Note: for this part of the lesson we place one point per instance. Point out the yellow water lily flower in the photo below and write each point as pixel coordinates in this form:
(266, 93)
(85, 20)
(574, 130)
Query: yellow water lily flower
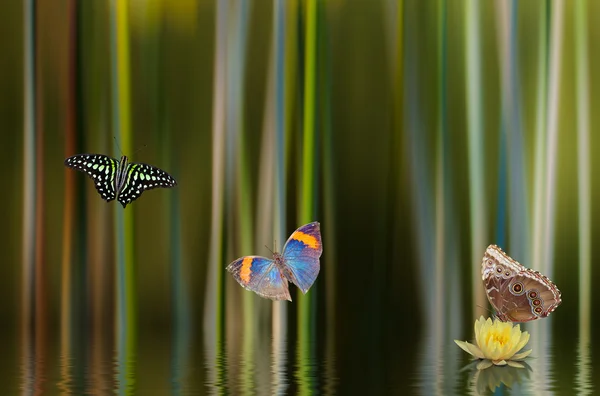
(497, 343)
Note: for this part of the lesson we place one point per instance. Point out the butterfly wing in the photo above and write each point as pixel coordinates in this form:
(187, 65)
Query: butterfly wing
(100, 168)
(141, 177)
(517, 293)
(301, 255)
(260, 275)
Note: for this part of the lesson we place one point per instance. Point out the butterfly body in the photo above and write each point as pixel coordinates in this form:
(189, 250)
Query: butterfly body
(121, 174)
(120, 179)
(517, 293)
(298, 263)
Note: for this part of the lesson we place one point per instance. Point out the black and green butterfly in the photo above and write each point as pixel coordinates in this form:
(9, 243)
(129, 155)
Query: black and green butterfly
(122, 180)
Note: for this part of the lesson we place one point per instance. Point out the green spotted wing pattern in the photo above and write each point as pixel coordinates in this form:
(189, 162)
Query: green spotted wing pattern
(101, 168)
(141, 177)
(120, 179)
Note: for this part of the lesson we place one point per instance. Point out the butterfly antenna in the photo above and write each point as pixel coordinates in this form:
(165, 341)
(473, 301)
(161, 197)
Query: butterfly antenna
(138, 150)
(487, 309)
(119, 147)
(269, 249)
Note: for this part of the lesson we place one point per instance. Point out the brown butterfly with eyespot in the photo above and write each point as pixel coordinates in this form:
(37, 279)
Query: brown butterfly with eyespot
(517, 293)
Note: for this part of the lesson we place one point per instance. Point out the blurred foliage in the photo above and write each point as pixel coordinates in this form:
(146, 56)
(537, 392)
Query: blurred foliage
(392, 161)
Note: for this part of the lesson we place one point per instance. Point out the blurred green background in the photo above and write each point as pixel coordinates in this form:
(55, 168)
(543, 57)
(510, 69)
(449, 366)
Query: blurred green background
(416, 133)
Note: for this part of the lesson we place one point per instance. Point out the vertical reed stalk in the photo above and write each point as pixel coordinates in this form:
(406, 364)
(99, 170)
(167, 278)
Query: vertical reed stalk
(307, 189)
(285, 91)
(445, 231)
(539, 225)
(242, 191)
(93, 241)
(556, 56)
(179, 279)
(179, 286)
(277, 105)
(504, 56)
(500, 229)
(584, 372)
(399, 92)
(29, 196)
(67, 300)
(97, 245)
(307, 201)
(440, 201)
(419, 165)
(266, 204)
(583, 167)
(475, 140)
(40, 279)
(29, 167)
(214, 301)
(422, 188)
(541, 333)
(276, 112)
(126, 319)
(517, 187)
(329, 197)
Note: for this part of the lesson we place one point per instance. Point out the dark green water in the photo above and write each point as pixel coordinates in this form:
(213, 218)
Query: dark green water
(354, 360)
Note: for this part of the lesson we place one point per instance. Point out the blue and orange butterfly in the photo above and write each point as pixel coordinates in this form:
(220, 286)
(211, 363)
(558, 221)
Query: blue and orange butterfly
(299, 264)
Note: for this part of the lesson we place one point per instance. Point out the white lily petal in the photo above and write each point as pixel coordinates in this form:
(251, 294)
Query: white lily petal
(475, 351)
(522, 355)
(463, 346)
(523, 341)
(469, 348)
(514, 364)
(478, 325)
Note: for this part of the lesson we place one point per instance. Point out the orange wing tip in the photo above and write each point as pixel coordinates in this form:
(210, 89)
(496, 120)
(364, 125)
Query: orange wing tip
(308, 240)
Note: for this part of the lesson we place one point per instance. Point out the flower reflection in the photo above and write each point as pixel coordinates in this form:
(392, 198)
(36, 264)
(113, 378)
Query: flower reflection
(496, 376)
(497, 343)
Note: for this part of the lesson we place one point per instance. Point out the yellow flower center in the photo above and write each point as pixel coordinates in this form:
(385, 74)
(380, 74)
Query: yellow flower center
(498, 337)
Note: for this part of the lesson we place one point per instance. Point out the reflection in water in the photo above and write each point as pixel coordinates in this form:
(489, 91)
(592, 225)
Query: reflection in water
(235, 371)
(498, 377)
(279, 350)
(180, 359)
(92, 368)
(316, 375)
(437, 366)
(308, 375)
(125, 362)
(66, 382)
(28, 366)
(215, 361)
(583, 381)
(540, 340)
(539, 376)
(305, 372)
(247, 365)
